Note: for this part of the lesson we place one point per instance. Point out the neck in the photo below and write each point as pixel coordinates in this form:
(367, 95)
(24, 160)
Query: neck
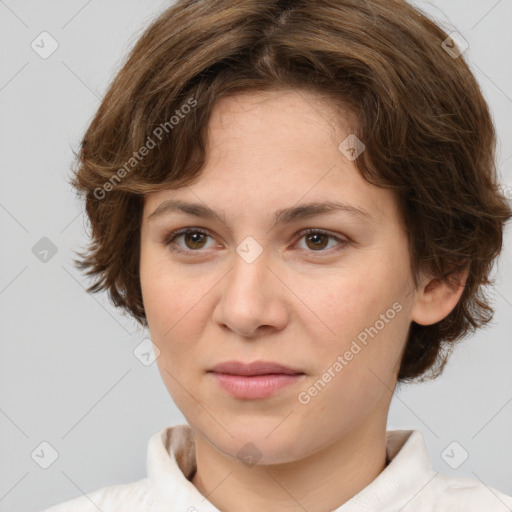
(322, 481)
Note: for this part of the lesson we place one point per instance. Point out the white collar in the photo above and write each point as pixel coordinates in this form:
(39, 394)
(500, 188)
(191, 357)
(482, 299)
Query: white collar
(171, 460)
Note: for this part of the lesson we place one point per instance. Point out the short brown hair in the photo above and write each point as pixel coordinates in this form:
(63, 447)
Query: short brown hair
(427, 129)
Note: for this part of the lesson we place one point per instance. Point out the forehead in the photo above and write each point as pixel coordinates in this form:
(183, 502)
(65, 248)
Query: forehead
(269, 150)
(282, 114)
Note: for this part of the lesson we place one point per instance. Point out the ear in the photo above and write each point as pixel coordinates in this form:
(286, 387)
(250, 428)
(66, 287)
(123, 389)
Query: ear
(435, 299)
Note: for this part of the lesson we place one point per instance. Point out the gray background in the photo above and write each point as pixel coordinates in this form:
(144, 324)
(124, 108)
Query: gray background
(68, 374)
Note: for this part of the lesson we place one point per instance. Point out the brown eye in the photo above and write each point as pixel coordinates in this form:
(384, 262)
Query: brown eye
(318, 240)
(194, 240)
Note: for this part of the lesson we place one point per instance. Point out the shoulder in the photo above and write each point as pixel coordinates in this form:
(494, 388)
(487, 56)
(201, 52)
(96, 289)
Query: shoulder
(417, 487)
(444, 493)
(131, 497)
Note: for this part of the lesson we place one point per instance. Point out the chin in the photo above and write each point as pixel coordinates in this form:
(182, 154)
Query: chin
(257, 442)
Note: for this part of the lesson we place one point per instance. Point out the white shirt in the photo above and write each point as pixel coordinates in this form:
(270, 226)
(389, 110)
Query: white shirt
(407, 484)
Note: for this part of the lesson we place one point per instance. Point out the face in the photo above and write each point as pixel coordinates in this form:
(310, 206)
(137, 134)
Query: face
(329, 294)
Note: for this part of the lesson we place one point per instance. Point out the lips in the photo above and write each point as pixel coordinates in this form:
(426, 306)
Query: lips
(253, 368)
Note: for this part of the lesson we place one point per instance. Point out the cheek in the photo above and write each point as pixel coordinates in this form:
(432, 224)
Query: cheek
(159, 284)
(171, 309)
(161, 293)
(176, 304)
(344, 302)
(363, 311)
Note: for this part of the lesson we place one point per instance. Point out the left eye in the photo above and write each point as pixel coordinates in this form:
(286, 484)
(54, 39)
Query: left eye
(194, 239)
(319, 239)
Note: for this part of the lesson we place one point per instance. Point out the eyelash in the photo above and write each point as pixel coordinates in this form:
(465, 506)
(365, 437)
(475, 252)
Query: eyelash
(169, 239)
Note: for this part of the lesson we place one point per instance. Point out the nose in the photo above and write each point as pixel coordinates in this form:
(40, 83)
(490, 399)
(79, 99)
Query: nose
(252, 299)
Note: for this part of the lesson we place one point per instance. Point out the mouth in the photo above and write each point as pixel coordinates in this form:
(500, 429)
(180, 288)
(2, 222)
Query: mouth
(254, 368)
(257, 380)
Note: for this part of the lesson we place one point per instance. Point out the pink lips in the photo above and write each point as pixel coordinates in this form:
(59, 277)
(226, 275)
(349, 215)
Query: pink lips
(256, 380)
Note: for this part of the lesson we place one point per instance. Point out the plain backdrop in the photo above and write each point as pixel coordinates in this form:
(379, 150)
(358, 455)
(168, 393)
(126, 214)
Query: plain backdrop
(71, 386)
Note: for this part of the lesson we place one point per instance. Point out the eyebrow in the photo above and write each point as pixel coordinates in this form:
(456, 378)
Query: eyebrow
(284, 216)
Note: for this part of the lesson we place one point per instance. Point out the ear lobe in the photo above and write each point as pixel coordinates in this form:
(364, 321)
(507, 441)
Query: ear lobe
(435, 299)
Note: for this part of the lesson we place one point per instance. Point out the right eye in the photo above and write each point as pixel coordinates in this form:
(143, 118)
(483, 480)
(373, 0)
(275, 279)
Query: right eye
(194, 239)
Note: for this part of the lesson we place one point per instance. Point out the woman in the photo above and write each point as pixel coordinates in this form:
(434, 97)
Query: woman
(299, 203)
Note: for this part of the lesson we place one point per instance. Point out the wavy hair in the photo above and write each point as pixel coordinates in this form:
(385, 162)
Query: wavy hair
(427, 129)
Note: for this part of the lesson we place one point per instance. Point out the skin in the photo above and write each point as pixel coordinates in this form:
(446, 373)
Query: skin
(296, 304)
